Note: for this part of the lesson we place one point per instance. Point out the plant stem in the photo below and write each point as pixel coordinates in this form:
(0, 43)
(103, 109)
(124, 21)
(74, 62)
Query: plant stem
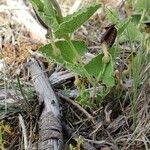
(105, 49)
(134, 89)
(77, 56)
(22, 93)
(143, 15)
(94, 91)
(56, 50)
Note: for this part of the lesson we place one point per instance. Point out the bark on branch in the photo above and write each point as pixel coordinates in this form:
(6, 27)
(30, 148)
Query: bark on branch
(50, 130)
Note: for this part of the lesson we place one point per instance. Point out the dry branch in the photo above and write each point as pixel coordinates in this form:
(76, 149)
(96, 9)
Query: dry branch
(50, 130)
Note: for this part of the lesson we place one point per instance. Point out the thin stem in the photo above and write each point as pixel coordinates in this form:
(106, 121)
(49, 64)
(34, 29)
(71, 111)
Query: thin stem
(106, 53)
(134, 89)
(105, 49)
(142, 17)
(22, 93)
(77, 56)
(94, 91)
(78, 106)
(143, 14)
(56, 50)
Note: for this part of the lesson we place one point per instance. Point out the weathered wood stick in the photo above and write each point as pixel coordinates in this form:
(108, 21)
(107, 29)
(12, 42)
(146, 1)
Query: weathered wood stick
(50, 130)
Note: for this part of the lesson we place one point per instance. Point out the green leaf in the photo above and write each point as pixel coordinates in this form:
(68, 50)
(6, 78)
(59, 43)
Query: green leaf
(107, 77)
(38, 5)
(47, 51)
(74, 21)
(46, 12)
(136, 18)
(95, 66)
(50, 21)
(66, 57)
(50, 16)
(48, 8)
(113, 16)
(123, 26)
(133, 33)
(66, 54)
(76, 68)
(113, 51)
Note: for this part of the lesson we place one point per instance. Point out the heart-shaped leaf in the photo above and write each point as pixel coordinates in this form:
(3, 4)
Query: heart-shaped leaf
(66, 53)
(101, 71)
(133, 33)
(95, 66)
(108, 77)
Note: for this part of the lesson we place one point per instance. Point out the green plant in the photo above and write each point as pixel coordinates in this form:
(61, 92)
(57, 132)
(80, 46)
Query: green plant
(131, 30)
(68, 52)
(4, 129)
(79, 141)
(1, 139)
(65, 51)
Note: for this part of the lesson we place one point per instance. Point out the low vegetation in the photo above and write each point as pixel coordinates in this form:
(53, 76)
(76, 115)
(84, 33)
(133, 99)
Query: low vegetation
(112, 84)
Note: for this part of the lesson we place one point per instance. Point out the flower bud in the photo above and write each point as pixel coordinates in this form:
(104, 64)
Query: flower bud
(106, 59)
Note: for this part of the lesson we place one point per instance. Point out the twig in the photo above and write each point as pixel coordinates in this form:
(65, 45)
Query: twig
(77, 105)
(24, 132)
(98, 142)
(14, 141)
(22, 93)
(50, 130)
